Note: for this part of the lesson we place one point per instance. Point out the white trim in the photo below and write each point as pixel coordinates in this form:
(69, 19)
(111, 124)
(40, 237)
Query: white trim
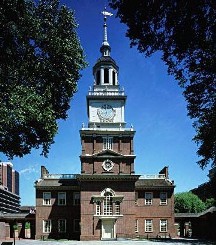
(148, 201)
(47, 228)
(149, 226)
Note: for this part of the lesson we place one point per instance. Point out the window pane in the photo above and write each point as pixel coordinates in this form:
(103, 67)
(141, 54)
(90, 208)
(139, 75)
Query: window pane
(46, 198)
(62, 225)
(46, 226)
(163, 198)
(62, 198)
(76, 197)
(148, 198)
(148, 225)
(163, 225)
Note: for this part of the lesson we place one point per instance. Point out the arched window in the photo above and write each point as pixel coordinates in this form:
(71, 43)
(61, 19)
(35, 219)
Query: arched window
(106, 75)
(108, 203)
(98, 78)
(114, 78)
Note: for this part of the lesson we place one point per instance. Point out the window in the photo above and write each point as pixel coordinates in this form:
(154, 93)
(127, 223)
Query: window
(163, 198)
(107, 143)
(148, 198)
(98, 78)
(136, 226)
(46, 198)
(62, 225)
(61, 198)
(108, 203)
(114, 78)
(47, 226)
(98, 208)
(117, 208)
(148, 225)
(106, 75)
(76, 198)
(163, 225)
(76, 225)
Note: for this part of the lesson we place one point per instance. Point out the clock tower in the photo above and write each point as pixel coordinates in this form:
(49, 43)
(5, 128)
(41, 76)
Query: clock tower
(107, 177)
(107, 145)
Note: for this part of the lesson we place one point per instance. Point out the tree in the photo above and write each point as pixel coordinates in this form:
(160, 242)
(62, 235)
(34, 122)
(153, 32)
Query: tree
(40, 61)
(184, 32)
(187, 202)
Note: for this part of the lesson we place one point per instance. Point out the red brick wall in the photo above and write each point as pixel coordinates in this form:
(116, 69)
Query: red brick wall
(90, 225)
(155, 212)
(55, 212)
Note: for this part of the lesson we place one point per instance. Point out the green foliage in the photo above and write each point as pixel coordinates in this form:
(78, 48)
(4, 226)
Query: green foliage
(40, 61)
(210, 203)
(27, 225)
(184, 32)
(15, 227)
(187, 202)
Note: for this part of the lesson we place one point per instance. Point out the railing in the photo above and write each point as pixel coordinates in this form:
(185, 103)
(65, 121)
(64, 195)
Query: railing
(108, 129)
(107, 93)
(153, 176)
(60, 176)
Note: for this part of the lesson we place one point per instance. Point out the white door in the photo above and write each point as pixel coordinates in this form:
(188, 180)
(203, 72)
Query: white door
(107, 229)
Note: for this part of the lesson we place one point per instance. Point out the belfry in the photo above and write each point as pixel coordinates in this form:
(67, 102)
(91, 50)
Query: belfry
(107, 200)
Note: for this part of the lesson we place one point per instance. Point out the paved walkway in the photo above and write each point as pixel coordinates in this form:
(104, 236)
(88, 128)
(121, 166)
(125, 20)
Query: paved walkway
(126, 242)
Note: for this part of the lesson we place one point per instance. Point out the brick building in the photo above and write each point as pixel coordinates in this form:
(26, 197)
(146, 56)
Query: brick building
(107, 200)
(9, 188)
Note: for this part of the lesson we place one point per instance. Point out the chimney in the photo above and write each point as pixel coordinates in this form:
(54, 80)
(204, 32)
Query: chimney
(165, 172)
(44, 172)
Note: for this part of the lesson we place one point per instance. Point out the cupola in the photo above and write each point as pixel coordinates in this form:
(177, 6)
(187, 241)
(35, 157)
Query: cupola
(105, 71)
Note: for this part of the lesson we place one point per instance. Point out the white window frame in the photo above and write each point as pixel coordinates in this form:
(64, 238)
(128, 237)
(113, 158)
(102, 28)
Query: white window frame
(107, 143)
(47, 226)
(47, 201)
(117, 208)
(163, 225)
(148, 201)
(108, 204)
(62, 223)
(76, 201)
(148, 225)
(61, 201)
(136, 226)
(163, 198)
(98, 208)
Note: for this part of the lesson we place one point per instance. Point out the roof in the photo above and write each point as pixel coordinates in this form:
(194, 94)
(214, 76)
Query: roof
(105, 59)
(57, 183)
(154, 184)
(195, 215)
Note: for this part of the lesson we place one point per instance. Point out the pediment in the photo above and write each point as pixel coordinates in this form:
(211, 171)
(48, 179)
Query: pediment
(107, 153)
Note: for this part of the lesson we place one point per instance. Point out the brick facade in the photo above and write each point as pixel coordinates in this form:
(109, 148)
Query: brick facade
(114, 201)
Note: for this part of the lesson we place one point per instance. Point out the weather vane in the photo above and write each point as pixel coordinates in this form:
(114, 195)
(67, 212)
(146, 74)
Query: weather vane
(105, 14)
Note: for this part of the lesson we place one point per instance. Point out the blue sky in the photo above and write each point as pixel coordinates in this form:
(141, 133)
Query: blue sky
(155, 106)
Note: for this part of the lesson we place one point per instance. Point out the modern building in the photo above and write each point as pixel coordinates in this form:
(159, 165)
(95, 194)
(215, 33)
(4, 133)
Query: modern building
(9, 188)
(107, 200)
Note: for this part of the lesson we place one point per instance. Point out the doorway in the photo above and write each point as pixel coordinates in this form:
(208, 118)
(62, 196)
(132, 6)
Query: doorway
(108, 230)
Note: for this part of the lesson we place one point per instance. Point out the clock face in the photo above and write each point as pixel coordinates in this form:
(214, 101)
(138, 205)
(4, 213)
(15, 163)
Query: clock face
(106, 113)
(107, 165)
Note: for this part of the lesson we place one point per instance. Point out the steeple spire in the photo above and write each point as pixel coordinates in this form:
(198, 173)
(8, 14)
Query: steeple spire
(105, 48)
